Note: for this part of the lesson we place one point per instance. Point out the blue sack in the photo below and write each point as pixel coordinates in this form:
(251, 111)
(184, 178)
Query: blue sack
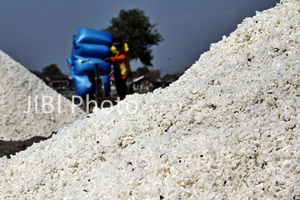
(83, 85)
(106, 82)
(84, 66)
(92, 36)
(71, 66)
(93, 45)
(91, 50)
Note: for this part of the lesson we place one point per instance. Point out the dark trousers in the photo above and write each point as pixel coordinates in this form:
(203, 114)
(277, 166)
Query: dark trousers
(121, 86)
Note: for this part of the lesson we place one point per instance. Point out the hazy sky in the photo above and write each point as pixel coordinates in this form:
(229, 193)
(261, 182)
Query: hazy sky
(38, 33)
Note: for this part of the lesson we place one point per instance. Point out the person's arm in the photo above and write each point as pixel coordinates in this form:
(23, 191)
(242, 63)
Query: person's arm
(120, 57)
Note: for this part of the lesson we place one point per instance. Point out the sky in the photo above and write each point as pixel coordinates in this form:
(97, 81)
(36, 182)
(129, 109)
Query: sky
(38, 33)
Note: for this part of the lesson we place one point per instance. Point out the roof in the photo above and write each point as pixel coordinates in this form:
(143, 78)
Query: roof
(153, 75)
(58, 75)
(138, 79)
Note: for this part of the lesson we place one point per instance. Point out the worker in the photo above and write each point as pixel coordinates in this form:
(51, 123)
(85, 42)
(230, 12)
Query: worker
(121, 66)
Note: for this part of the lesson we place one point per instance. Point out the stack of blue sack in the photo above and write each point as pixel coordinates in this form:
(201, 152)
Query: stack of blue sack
(89, 47)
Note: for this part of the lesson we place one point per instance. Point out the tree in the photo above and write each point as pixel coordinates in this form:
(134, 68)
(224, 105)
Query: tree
(138, 32)
(50, 70)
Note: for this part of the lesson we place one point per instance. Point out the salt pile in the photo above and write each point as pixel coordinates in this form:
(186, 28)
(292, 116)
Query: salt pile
(25, 104)
(227, 129)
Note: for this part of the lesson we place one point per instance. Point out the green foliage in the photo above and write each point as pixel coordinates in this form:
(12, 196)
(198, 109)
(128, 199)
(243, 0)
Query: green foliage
(138, 32)
(50, 70)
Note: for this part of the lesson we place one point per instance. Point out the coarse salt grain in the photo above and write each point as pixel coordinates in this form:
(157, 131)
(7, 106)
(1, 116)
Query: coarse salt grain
(21, 103)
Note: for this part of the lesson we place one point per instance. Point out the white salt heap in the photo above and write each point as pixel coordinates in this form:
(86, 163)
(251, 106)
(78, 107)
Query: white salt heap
(25, 104)
(227, 129)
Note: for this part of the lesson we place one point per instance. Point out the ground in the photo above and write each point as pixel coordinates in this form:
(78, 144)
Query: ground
(8, 148)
